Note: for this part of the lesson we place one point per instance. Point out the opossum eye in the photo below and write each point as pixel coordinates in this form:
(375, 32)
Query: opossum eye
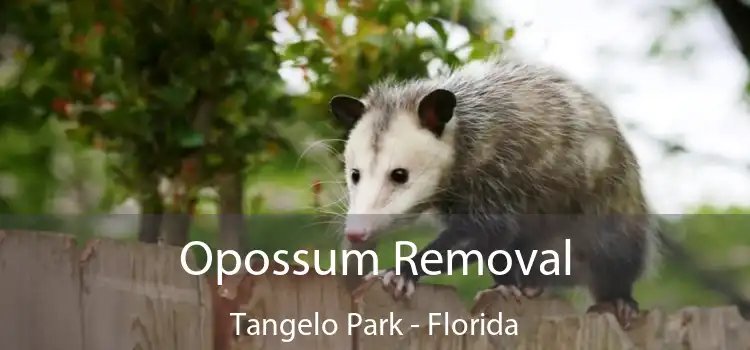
(400, 176)
(355, 176)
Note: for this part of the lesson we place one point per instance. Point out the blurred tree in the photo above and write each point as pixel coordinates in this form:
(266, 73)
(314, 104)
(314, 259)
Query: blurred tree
(356, 45)
(736, 14)
(182, 90)
(189, 91)
(35, 159)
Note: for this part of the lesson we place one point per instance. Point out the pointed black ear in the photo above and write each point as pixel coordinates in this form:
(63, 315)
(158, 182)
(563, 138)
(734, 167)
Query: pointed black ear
(346, 109)
(436, 109)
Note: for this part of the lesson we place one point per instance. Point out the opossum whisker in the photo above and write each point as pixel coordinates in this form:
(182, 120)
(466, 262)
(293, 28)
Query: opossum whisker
(324, 223)
(332, 213)
(337, 182)
(342, 205)
(333, 205)
(321, 209)
(331, 150)
(312, 145)
(327, 232)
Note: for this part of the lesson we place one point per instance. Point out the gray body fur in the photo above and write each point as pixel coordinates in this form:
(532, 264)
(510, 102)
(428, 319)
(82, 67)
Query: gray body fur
(537, 159)
(525, 139)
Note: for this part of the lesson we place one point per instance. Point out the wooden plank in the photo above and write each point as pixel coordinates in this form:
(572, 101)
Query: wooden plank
(587, 332)
(291, 297)
(420, 338)
(137, 296)
(707, 328)
(527, 314)
(647, 332)
(39, 304)
(377, 303)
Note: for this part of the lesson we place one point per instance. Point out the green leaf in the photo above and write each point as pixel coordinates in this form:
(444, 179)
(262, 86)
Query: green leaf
(175, 96)
(510, 32)
(192, 139)
(657, 47)
(439, 28)
(222, 31)
(389, 9)
(296, 49)
(376, 40)
(257, 203)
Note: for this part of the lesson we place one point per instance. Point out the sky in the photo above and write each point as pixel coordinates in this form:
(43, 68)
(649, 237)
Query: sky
(604, 45)
(697, 100)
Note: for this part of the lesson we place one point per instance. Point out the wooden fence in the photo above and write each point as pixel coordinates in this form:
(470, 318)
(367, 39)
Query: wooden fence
(111, 295)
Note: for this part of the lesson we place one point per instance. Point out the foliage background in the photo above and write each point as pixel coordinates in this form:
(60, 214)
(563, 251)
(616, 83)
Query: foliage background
(179, 107)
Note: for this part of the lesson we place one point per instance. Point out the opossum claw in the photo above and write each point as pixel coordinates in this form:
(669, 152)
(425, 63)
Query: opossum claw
(388, 278)
(532, 292)
(626, 311)
(410, 288)
(510, 291)
(373, 275)
(402, 285)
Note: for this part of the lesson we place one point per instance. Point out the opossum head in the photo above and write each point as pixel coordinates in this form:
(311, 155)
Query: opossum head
(395, 158)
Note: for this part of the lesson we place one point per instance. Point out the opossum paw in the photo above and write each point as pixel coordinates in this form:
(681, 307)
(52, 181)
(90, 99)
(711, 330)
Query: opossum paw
(399, 285)
(373, 275)
(626, 311)
(532, 292)
(511, 292)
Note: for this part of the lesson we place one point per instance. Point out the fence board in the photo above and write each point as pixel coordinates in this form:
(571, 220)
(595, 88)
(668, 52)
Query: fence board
(707, 328)
(586, 332)
(39, 288)
(377, 303)
(647, 332)
(124, 295)
(420, 338)
(292, 297)
(39, 306)
(528, 314)
(137, 296)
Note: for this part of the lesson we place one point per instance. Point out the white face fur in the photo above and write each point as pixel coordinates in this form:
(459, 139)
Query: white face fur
(403, 172)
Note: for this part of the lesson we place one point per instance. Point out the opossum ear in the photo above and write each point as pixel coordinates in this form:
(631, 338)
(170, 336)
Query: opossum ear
(436, 109)
(346, 109)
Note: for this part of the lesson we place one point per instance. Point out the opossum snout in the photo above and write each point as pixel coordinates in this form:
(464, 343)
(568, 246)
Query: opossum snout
(362, 227)
(355, 236)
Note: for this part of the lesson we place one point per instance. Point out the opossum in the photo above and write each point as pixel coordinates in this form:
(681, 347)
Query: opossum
(510, 156)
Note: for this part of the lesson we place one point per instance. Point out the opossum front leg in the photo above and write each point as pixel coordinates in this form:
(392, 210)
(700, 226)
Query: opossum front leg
(404, 283)
(615, 266)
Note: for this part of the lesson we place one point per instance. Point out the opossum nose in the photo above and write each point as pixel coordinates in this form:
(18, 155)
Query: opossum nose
(355, 236)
